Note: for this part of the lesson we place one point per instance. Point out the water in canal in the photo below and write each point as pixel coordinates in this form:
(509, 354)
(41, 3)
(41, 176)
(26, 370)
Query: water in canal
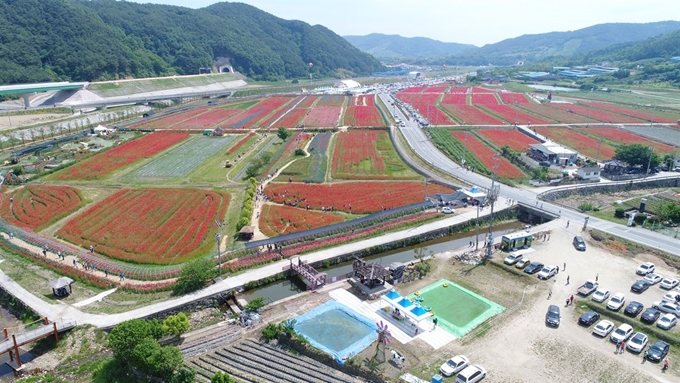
(291, 286)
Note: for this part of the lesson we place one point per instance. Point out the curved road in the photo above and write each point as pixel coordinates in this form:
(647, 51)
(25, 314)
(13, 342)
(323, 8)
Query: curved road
(421, 144)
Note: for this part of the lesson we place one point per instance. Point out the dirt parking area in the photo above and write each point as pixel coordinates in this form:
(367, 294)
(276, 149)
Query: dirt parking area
(521, 348)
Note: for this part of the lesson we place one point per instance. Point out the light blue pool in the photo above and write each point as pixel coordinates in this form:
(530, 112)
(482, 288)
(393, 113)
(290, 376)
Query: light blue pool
(336, 329)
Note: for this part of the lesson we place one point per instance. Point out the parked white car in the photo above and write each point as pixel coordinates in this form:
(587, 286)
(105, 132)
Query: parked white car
(454, 365)
(653, 278)
(645, 268)
(637, 343)
(471, 374)
(667, 321)
(622, 333)
(603, 328)
(616, 302)
(600, 295)
(669, 283)
(547, 272)
(671, 297)
(447, 210)
(667, 307)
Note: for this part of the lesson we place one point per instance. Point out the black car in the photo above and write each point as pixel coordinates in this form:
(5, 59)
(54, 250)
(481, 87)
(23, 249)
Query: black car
(634, 308)
(579, 243)
(588, 318)
(657, 351)
(640, 286)
(552, 317)
(650, 315)
(533, 268)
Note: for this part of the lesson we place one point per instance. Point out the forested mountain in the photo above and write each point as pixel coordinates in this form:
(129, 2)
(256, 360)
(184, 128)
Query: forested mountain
(395, 46)
(86, 40)
(659, 47)
(560, 44)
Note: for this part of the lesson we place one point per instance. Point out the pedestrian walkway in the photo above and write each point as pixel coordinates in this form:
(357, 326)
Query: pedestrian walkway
(96, 298)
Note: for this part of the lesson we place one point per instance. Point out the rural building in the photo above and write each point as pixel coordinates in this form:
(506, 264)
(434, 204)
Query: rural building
(555, 154)
(589, 173)
(615, 167)
(471, 196)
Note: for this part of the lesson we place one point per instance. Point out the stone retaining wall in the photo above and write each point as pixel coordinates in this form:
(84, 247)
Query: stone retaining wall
(613, 187)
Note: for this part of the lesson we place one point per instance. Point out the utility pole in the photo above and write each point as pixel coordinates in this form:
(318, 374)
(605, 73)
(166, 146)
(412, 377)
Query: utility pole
(649, 163)
(477, 224)
(218, 238)
(492, 196)
(597, 155)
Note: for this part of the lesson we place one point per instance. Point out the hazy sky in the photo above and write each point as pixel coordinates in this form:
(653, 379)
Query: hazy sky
(475, 22)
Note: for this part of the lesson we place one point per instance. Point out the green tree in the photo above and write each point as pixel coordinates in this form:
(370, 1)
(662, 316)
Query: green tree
(669, 212)
(282, 133)
(221, 377)
(255, 304)
(156, 360)
(184, 375)
(176, 324)
(127, 335)
(195, 275)
(637, 154)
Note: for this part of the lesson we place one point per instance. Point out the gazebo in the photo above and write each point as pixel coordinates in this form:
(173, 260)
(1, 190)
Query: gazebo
(59, 286)
(372, 275)
(247, 232)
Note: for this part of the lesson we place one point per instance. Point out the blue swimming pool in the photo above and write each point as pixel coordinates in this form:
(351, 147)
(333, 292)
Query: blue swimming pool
(336, 329)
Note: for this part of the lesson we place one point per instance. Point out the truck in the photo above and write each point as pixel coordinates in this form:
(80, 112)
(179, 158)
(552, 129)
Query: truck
(588, 288)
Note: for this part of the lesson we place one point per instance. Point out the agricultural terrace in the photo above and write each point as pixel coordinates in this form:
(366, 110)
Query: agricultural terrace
(257, 112)
(513, 98)
(485, 154)
(470, 115)
(154, 226)
(311, 168)
(598, 114)
(105, 163)
(514, 139)
(206, 120)
(362, 112)
(182, 160)
(484, 99)
(656, 116)
(352, 197)
(583, 144)
(168, 120)
(513, 114)
(323, 116)
(331, 100)
(556, 114)
(622, 137)
(39, 206)
(367, 154)
(277, 219)
(292, 118)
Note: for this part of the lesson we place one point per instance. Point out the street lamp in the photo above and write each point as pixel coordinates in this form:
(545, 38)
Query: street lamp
(491, 197)
(649, 163)
(477, 224)
(219, 255)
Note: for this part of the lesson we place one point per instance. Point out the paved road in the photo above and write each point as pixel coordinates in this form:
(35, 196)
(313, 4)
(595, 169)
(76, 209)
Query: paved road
(420, 143)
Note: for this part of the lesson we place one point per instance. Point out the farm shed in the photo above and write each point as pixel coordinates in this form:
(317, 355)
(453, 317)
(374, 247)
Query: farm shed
(247, 232)
(59, 286)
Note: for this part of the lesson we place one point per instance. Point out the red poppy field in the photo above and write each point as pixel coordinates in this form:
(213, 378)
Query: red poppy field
(598, 114)
(484, 99)
(103, 164)
(454, 99)
(292, 119)
(352, 197)
(164, 122)
(556, 114)
(362, 112)
(514, 114)
(486, 155)
(207, 119)
(277, 219)
(38, 206)
(623, 137)
(513, 98)
(156, 226)
(470, 115)
(323, 116)
(515, 139)
(646, 115)
(579, 142)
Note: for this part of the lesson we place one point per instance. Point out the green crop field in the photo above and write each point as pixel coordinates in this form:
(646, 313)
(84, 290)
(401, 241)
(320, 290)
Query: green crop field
(127, 87)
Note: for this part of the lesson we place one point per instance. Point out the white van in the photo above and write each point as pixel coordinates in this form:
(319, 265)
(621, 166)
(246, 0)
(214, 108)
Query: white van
(513, 258)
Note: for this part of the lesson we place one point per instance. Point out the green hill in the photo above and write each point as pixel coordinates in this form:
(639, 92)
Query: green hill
(395, 46)
(79, 40)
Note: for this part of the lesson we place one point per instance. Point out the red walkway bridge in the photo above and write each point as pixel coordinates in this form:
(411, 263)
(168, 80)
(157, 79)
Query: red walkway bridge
(12, 342)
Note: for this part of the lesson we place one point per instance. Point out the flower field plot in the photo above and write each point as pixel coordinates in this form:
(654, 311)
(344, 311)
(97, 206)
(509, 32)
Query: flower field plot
(484, 99)
(476, 89)
(515, 139)
(598, 114)
(514, 98)
(425, 103)
(276, 219)
(556, 114)
(323, 116)
(362, 112)
(38, 206)
(454, 99)
(257, 112)
(166, 121)
(485, 155)
(514, 114)
(367, 154)
(206, 120)
(455, 149)
(286, 153)
(581, 143)
(240, 143)
(308, 101)
(458, 89)
(623, 137)
(292, 119)
(311, 168)
(352, 197)
(645, 114)
(331, 100)
(655, 132)
(435, 89)
(413, 89)
(103, 164)
(155, 226)
(470, 115)
(280, 112)
(180, 161)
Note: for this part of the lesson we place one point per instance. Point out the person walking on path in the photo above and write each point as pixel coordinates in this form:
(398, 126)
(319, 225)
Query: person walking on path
(618, 348)
(567, 304)
(549, 294)
(666, 364)
(597, 276)
(567, 223)
(435, 320)
(623, 347)
(564, 268)
(571, 299)
(567, 279)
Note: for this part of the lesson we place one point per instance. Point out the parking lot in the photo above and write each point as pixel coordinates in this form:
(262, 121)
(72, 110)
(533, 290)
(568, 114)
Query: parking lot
(523, 349)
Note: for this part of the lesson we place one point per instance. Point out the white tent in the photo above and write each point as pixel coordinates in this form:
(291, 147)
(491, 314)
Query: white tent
(102, 130)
